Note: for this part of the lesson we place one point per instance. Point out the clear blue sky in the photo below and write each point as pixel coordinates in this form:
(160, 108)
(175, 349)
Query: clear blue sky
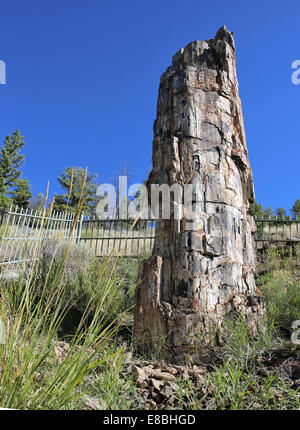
(82, 83)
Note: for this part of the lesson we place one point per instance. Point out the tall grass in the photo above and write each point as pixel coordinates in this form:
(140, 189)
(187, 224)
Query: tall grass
(64, 342)
(31, 374)
(36, 370)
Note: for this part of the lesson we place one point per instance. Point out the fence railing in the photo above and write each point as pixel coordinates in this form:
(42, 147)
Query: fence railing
(275, 229)
(117, 236)
(22, 232)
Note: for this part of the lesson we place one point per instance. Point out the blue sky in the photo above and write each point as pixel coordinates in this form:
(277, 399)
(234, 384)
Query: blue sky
(82, 83)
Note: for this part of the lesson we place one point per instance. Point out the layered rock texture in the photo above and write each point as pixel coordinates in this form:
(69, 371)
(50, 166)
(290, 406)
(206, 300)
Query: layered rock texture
(202, 265)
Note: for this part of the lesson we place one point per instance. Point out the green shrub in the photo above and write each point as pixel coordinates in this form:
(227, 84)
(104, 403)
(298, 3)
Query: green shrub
(280, 287)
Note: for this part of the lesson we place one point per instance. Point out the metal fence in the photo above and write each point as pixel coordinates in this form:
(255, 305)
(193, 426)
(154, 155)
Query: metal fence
(22, 232)
(275, 229)
(120, 237)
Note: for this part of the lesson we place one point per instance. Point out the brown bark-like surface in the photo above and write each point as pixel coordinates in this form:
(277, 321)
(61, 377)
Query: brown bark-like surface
(202, 265)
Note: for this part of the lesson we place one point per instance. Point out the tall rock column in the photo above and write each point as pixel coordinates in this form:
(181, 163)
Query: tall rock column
(202, 266)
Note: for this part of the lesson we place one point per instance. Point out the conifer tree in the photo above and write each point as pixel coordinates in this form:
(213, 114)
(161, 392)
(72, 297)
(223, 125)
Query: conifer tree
(22, 194)
(78, 185)
(11, 161)
(296, 208)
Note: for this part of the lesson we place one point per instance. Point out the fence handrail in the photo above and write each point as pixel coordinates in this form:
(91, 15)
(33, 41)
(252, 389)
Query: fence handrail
(106, 236)
(276, 218)
(23, 229)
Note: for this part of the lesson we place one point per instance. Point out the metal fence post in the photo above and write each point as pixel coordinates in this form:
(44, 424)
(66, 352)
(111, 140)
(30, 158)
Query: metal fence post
(80, 222)
(22, 232)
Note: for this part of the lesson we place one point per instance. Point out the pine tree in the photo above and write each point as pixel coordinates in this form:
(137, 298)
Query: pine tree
(78, 185)
(22, 194)
(257, 210)
(11, 162)
(280, 213)
(296, 208)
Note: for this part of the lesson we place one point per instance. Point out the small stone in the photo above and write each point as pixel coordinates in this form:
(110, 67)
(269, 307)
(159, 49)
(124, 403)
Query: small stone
(142, 392)
(94, 404)
(156, 384)
(164, 376)
(37, 376)
(61, 349)
(166, 368)
(199, 370)
(150, 371)
(167, 391)
(140, 376)
(173, 386)
(150, 404)
(128, 357)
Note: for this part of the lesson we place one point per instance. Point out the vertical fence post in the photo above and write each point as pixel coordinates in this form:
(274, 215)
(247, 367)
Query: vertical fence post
(79, 230)
(25, 229)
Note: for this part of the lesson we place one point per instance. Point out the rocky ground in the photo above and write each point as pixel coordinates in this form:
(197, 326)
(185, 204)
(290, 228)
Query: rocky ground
(160, 385)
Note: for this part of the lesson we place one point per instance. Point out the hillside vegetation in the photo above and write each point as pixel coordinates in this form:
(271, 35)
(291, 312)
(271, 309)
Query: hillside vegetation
(69, 343)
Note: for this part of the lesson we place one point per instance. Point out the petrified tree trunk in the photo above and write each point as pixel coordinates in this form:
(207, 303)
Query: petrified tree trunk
(200, 270)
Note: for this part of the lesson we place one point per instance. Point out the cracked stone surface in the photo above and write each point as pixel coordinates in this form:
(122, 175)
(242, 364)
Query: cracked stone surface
(202, 267)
